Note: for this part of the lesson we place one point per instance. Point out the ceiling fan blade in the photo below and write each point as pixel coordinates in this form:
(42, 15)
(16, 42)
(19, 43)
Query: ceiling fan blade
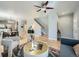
(37, 6)
(46, 3)
(38, 10)
(49, 8)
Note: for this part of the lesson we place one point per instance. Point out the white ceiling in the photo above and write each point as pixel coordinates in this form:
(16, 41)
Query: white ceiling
(28, 10)
(66, 7)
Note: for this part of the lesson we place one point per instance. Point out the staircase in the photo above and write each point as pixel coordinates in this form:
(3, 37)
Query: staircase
(43, 25)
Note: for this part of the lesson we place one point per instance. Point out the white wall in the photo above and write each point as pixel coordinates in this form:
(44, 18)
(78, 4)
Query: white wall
(76, 24)
(52, 25)
(65, 23)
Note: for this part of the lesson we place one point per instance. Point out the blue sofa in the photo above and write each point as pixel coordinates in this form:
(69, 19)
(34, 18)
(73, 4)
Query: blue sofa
(66, 49)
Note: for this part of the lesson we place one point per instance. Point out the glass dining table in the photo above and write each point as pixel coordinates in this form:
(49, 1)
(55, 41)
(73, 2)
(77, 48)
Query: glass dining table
(28, 52)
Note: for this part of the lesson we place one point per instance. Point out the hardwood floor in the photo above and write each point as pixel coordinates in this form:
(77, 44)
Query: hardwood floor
(51, 43)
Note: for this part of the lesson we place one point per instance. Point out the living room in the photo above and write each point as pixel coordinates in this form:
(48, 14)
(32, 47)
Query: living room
(38, 28)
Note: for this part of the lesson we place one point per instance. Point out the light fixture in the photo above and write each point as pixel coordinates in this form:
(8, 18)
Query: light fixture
(43, 9)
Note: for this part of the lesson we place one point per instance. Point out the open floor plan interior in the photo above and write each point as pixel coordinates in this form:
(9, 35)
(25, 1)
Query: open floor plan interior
(39, 29)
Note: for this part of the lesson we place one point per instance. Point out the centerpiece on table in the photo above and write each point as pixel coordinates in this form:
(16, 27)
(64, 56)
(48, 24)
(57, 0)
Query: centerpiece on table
(35, 45)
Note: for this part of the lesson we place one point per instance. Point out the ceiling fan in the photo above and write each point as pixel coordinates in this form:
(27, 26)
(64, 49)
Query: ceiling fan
(43, 7)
